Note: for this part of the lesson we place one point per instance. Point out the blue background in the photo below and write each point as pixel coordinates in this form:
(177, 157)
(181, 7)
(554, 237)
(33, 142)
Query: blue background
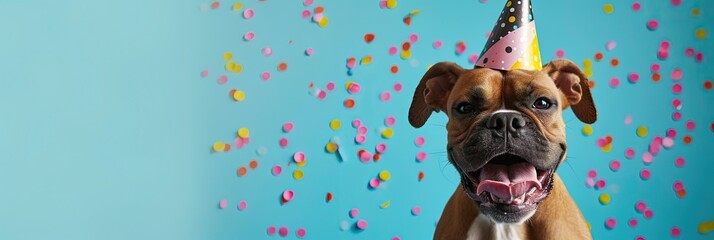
(107, 124)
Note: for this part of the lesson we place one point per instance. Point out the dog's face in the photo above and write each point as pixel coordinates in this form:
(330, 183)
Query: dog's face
(506, 135)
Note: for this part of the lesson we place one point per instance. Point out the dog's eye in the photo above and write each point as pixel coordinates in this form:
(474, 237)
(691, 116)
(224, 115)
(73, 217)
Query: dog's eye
(464, 108)
(542, 103)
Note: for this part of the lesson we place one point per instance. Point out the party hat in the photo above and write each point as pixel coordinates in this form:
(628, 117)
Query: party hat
(513, 43)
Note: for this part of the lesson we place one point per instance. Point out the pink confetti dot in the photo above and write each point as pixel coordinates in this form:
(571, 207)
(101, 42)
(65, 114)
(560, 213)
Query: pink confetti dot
(610, 45)
(636, 6)
(652, 24)
(416, 210)
(365, 157)
(590, 182)
(610, 223)
(639, 238)
(242, 205)
(204, 73)
(362, 130)
(374, 183)
(356, 123)
(647, 158)
(437, 44)
(283, 231)
(628, 120)
(383, 4)
(396, 238)
(421, 156)
(397, 87)
(600, 184)
(362, 224)
(592, 173)
(473, 58)
(299, 157)
(655, 67)
(690, 125)
(354, 213)
(380, 148)
(360, 139)
(699, 57)
(330, 86)
(248, 13)
(615, 165)
(460, 48)
(309, 51)
(663, 54)
(559, 53)
(645, 174)
(265, 76)
(676, 3)
(354, 88)
(667, 142)
(614, 82)
(419, 141)
(223, 203)
(307, 2)
(300, 233)
(601, 142)
(249, 36)
(271, 230)
(385, 96)
(640, 206)
(276, 170)
(413, 38)
(288, 126)
(288, 195)
(676, 116)
(306, 14)
(678, 185)
(239, 142)
(689, 52)
(267, 51)
(676, 74)
(648, 213)
(632, 222)
(633, 77)
(629, 153)
(679, 162)
(677, 104)
(675, 230)
(393, 50)
(223, 79)
(677, 88)
(390, 121)
(321, 95)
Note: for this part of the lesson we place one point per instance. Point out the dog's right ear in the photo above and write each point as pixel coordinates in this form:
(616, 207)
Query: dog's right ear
(433, 91)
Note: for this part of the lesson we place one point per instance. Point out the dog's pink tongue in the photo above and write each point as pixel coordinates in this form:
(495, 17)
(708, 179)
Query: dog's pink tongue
(508, 182)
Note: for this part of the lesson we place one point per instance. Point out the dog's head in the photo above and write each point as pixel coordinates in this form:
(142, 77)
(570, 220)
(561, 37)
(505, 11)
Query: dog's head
(506, 135)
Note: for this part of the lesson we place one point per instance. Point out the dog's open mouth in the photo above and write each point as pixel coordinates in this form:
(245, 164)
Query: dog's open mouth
(509, 183)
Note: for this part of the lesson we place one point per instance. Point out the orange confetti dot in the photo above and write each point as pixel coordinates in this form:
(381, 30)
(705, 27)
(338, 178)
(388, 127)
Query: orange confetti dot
(369, 37)
(687, 139)
(656, 77)
(242, 171)
(681, 193)
(227, 148)
(215, 4)
(598, 56)
(406, 46)
(614, 62)
(591, 83)
(349, 103)
(708, 85)
(394, 69)
(282, 66)
(376, 157)
(608, 139)
(421, 175)
(408, 21)
(319, 9)
(253, 164)
(329, 197)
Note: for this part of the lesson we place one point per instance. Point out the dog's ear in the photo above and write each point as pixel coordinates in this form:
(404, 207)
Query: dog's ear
(574, 86)
(433, 91)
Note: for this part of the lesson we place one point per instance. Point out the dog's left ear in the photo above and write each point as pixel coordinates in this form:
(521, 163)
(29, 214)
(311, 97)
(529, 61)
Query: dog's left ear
(574, 86)
(433, 91)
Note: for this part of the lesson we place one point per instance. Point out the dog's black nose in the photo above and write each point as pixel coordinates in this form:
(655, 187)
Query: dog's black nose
(510, 122)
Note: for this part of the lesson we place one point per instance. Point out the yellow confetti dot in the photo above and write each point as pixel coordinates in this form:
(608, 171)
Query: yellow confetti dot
(415, 12)
(331, 147)
(227, 56)
(607, 148)
(588, 63)
(608, 8)
(234, 67)
(387, 133)
(700, 33)
(511, 19)
(238, 95)
(706, 227)
(237, 6)
(604, 198)
(348, 85)
(385, 204)
(590, 227)
(366, 60)
(695, 12)
(302, 164)
(588, 72)
(385, 175)
(323, 22)
(298, 174)
(642, 131)
(218, 146)
(406, 54)
(243, 132)
(587, 130)
(509, 3)
(391, 3)
(335, 124)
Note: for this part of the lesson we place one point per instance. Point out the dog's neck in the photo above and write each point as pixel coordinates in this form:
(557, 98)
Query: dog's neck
(484, 228)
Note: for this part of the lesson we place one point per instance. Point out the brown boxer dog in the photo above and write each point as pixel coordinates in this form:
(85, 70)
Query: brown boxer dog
(506, 138)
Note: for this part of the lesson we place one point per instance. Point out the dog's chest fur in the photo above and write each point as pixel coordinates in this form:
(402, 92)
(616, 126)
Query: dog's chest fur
(484, 229)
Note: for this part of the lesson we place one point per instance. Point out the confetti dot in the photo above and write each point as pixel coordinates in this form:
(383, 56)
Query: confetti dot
(215, 4)
(394, 69)
(380, 148)
(421, 156)
(300, 233)
(276, 170)
(614, 62)
(632, 222)
(282, 66)
(331, 147)
(604, 198)
(385, 175)
(283, 231)
(676, 74)
(299, 157)
(416, 210)
(645, 174)
(608, 8)
(420, 176)
(652, 25)
(705, 227)
(675, 231)
(615, 165)
(249, 36)
(329, 197)
(636, 6)
(242, 205)
(676, 116)
(362, 224)
(419, 141)
(283, 142)
(309, 51)
(218, 146)
(385, 96)
(647, 158)
(633, 77)
(592, 173)
(223, 203)
(385, 204)
(288, 195)
(344, 225)
(610, 45)
(587, 130)
(387, 133)
(679, 162)
(648, 213)
(642, 131)
(335, 124)
(560, 53)
(349, 103)
(610, 223)
(298, 174)
(640, 206)
(708, 85)
(391, 3)
(374, 183)
(437, 44)
(687, 139)
(368, 38)
(629, 153)
(600, 184)
(700, 33)
(242, 171)
(614, 82)
(271, 230)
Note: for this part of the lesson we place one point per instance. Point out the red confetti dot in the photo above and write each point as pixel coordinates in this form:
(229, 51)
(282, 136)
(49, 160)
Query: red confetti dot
(421, 176)
(368, 38)
(329, 197)
(614, 62)
(598, 56)
(406, 46)
(687, 139)
(282, 66)
(656, 77)
(349, 103)
(708, 85)
(394, 69)
(215, 4)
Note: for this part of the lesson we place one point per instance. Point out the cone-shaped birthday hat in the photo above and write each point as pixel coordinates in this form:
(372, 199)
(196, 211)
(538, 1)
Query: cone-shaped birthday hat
(513, 43)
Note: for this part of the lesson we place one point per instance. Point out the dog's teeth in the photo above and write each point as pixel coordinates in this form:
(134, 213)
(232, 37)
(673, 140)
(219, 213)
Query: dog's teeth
(533, 189)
